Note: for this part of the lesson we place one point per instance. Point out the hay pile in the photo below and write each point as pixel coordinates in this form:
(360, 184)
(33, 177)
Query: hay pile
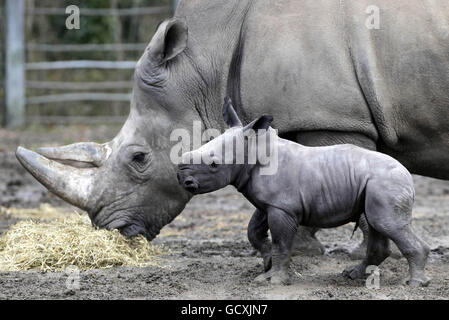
(71, 241)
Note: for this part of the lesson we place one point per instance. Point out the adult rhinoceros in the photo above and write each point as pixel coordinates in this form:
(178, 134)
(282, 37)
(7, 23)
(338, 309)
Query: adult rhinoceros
(320, 68)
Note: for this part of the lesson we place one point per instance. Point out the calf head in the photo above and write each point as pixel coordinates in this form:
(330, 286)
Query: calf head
(221, 161)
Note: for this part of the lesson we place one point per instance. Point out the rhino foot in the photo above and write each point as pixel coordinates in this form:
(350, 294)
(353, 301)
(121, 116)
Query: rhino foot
(355, 272)
(305, 243)
(280, 278)
(264, 277)
(418, 281)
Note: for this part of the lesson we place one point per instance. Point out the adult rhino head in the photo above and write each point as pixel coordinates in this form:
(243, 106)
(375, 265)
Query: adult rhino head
(130, 183)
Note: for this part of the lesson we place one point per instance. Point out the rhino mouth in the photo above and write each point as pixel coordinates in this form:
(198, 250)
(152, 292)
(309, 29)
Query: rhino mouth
(133, 230)
(127, 228)
(129, 222)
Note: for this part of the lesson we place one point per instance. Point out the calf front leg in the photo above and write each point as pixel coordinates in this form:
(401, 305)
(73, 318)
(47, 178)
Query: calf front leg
(258, 237)
(283, 227)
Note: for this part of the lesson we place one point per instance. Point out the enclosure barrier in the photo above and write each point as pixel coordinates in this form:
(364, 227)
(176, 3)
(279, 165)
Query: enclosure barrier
(14, 114)
(16, 67)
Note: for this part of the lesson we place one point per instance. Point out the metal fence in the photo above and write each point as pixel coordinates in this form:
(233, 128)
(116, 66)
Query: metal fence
(17, 69)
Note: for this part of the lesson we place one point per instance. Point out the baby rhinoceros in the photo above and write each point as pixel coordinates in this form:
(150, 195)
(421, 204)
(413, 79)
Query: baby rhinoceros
(312, 186)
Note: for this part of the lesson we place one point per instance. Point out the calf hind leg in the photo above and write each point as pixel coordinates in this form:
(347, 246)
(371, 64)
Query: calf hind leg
(416, 252)
(390, 214)
(377, 251)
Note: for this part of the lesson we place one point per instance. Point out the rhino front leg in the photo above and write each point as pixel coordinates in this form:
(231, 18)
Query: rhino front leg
(306, 243)
(258, 237)
(283, 227)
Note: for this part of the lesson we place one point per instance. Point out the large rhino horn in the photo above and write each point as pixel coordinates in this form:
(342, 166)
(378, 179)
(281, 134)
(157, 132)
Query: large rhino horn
(71, 184)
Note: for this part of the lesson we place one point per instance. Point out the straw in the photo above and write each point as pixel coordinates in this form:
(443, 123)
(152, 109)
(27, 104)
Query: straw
(70, 241)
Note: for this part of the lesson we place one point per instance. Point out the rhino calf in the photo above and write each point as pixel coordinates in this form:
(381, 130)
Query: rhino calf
(313, 186)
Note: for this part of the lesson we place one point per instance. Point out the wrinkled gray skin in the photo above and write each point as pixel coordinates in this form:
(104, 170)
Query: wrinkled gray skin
(312, 64)
(316, 187)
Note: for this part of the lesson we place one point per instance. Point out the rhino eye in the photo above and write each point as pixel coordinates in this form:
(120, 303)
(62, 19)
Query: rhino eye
(139, 157)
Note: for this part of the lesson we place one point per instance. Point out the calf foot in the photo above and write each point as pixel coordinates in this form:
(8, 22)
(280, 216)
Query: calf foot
(418, 281)
(264, 277)
(355, 272)
(280, 278)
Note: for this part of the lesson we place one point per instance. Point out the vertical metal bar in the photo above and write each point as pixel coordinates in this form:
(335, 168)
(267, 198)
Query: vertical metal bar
(175, 5)
(14, 59)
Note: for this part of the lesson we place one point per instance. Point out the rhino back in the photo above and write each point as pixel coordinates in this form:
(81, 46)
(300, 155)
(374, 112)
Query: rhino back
(403, 70)
(316, 66)
(297, 67)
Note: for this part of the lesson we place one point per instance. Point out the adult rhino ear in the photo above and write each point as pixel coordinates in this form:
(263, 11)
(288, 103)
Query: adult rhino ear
(261, 123)
(229, 115)
(169, 40)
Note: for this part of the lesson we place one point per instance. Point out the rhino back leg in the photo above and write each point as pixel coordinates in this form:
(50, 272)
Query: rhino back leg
(376, 252)
(389, 212)
(305, 240)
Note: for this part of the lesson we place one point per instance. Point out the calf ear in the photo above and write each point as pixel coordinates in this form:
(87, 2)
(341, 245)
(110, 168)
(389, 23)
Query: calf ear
(261, 123)
(169, 40)
(229, 115)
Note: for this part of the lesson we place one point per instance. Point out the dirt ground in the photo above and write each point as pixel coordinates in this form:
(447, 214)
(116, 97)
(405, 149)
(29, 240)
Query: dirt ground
(211, 257)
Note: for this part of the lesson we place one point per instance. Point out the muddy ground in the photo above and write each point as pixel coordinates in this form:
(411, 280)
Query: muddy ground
(210, 254)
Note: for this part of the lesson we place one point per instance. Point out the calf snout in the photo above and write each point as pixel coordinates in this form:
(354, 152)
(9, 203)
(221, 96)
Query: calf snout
(190, 184)
(186, 180)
